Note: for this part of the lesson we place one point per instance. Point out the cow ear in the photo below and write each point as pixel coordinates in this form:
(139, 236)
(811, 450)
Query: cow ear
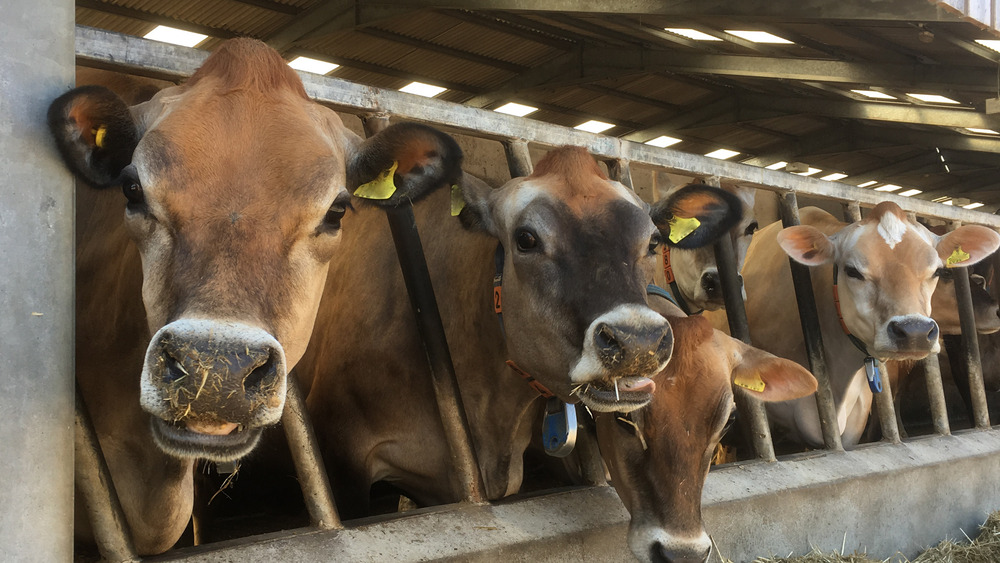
(770, 378)
(967, 245)
(696, 215)
(806, 245)
(95, 133)
(472, 201)
(403, 162)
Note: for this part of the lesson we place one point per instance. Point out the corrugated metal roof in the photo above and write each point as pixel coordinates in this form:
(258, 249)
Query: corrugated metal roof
(652, 83)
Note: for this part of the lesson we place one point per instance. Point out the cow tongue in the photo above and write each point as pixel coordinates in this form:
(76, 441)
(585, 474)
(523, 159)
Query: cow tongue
(217, 429)
(638, 385)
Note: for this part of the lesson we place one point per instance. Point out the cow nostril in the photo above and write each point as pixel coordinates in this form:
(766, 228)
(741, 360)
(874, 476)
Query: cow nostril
(710, 283)
(607, 344)
(932, 334)
(174, 370)
(896, 330)
(263, 376)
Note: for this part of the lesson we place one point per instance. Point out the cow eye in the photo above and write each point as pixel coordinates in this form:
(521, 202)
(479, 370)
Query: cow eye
(132, 189)
(751, 228)
(853, 272)
(526, 240)
(331, 221)
(944, 273)
(654, 243)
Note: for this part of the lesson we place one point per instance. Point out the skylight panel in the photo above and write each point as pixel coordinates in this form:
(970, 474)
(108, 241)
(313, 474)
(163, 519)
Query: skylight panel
(722, 154)
(691, 34)
(875, 94)
(421, 89)
(911, 192)
(990, 44)
(888, 188)
(314, 66)
(867, 184)
(758, 36)
(175, 36)
(982, 131)
(780, 165)
(933, 98)
(663, 141)
(974, 205)
(834, 177)
(948, 202)
(519, 110)
(809, 172)
(594, 126)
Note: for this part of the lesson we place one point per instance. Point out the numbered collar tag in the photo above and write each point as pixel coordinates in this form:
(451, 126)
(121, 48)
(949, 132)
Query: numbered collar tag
(559, 428)
(873, 374)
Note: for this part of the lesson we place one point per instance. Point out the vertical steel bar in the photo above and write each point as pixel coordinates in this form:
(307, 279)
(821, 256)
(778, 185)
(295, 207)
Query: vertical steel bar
(416, 276)
(37, 56)
(970, 348)
(620, 171)
(935, 394)
(739, 327)
(93, 482)
(886, 409)
(518, 157)
(852, 211)
(809, 319)
(308, 463)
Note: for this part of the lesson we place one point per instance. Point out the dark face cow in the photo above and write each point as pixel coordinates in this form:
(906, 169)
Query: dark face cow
(234, 188)
(659, 455)
(577, 251)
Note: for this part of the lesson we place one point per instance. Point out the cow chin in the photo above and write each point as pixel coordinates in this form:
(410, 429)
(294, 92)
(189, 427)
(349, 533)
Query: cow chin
(178, 441)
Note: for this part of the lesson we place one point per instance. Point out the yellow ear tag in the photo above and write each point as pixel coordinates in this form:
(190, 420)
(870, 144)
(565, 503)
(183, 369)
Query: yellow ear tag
(457, 201)
(381, 187)
(753, 383)
(956, 258)
(681, 227)
(99, 136)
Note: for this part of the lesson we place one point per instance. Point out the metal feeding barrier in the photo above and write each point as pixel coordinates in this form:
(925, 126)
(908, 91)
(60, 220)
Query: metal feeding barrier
(139, 56)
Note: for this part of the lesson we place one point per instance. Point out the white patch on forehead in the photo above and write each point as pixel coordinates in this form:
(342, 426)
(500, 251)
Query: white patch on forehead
(892, 229)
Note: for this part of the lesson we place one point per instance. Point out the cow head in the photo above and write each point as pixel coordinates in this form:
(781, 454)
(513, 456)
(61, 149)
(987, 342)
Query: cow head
(659, 456)
(888, 267)
(578, 252)
(944, 302)
(234, 187)
(695, 270)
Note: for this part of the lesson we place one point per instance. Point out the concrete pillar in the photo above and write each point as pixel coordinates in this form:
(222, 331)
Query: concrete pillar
(36, 287)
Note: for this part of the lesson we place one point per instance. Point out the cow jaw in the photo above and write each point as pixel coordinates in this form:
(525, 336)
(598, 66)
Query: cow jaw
(211, 386)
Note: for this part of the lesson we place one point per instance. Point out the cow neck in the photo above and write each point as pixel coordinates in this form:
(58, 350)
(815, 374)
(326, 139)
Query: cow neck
(871, 364)
(668, 274)
(498, 260)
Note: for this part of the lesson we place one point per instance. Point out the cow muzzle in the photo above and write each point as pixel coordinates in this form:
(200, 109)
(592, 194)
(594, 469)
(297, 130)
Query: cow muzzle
(211, 387)
(659, 546)
(908, 337)
(622, 349)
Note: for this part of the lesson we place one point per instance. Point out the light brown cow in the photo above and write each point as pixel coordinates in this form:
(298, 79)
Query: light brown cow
(234, 188)
(696, 274)
(888, 267)
(578, 251)
(659, 455)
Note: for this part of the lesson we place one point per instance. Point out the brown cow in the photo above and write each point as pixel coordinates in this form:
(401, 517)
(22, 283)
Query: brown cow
(659, 455)
(885, 268)
(577, 250)
(234, 188)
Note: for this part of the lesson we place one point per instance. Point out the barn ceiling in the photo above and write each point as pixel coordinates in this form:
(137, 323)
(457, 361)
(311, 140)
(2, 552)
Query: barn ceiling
(613, 61)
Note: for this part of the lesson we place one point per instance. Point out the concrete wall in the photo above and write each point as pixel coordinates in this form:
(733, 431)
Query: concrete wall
(36, 287)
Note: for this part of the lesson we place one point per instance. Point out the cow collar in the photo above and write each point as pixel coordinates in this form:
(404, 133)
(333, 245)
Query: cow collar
(871, 364)
(668, 275)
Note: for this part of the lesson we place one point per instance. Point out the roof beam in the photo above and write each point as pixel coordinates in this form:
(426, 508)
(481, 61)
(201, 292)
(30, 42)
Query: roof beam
(884, 10)
(155, 18)
(340, 12)
(434, 47)
(875, 111)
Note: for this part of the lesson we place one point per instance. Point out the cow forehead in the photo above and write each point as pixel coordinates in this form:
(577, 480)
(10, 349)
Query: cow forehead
(579, 200)
(888, 242)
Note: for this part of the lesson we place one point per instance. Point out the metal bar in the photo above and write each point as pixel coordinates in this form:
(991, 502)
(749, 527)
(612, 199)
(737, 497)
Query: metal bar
(93, 483)
(111, 49)
(809, 319)
(852, 211)
(886, 409)
(970, 348)
(620, 171)
(413, 264)
(518, 157)
(308, 463)
(935, 394)
(36, 287)
(732, 294)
